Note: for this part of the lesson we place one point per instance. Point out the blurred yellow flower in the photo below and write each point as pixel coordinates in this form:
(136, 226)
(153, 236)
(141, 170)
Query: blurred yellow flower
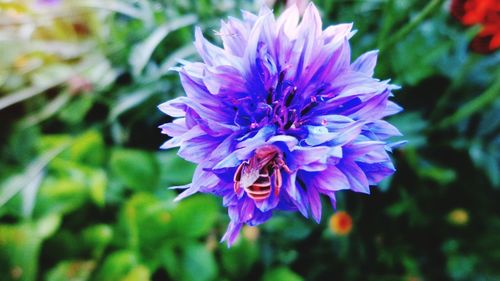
(20, 62)
(413, 278)
(251, 232)
(458, 216)
(341, 223)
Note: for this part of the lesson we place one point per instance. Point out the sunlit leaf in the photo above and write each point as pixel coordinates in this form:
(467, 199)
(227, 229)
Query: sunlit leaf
(281, 274)
(60, 195)
(139, 272)
(195, 216)
(135, 98)
(142, 52)
(88, 148)
(14, 184)
(113, 5)
(173, 59)
(98, 182)
(97, 237)
(136, 169)
(117, 266)
(20, 246)
(29, 195)
(75, 111)
(71, 271)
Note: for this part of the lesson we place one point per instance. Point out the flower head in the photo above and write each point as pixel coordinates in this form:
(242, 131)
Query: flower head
(280, 116)
(48, 2)
(485, 13)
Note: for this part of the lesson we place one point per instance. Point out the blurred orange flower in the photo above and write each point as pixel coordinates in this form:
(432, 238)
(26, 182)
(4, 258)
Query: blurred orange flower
(341, 223)
(485, 13)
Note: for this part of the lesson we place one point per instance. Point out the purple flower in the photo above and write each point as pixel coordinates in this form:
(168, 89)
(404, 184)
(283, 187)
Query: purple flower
(48, 2)
(280, 116)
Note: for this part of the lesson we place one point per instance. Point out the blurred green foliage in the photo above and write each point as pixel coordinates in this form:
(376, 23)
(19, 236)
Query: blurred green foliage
(83, 185)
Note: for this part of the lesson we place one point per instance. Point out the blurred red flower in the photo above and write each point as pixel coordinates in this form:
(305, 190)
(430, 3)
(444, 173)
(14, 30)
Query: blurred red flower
(482, 12)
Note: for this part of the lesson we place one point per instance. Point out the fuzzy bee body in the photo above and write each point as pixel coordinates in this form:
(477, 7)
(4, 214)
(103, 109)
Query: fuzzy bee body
(261, 173)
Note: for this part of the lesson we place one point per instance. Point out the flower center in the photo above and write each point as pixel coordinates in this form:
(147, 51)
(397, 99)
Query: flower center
(287, 109)
(283, 104)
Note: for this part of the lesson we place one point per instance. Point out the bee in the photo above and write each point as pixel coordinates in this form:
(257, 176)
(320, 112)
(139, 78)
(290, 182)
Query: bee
(263, 170)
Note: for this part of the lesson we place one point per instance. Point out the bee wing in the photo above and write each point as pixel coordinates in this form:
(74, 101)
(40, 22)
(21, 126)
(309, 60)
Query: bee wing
(250, 173)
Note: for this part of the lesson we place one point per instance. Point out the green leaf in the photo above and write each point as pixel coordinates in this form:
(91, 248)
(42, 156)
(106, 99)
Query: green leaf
(117, 266)
(78, 270)
(438, 174)
(281, 274)
(198, 263)
(135, 97)
(174, 170)
(145, 224)
(169, 258)
(51, 108)
(20, 246)
(141, 53)
(47, 226)
(19, 250)
(415, 64)
(477, 104)
(88, 148)
(195, 216)
(101, 75)
(97, 237)
(115, 6)
(60, 195)
(239, 259)
(136, 169)
(173, 59)
(139, 272)
(398, 209)
(486, 156)
(98, 181)
(48, 142)
(52, 72)
(89, 183)
(288, 227)
(412, 126)
(462, 267)
(23, 145)
(75, 111)
(26, 93)
(29, 194)
(16, 183)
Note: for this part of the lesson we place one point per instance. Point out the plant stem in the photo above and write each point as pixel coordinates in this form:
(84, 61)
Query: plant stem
(474, 105)
(456, 82)
(431, 6)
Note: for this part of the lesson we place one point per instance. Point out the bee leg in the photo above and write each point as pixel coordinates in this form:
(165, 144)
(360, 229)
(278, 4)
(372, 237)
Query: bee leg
(282, 164)
(237, 177)
(286, 168)
(277, 180)
(237, 187)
